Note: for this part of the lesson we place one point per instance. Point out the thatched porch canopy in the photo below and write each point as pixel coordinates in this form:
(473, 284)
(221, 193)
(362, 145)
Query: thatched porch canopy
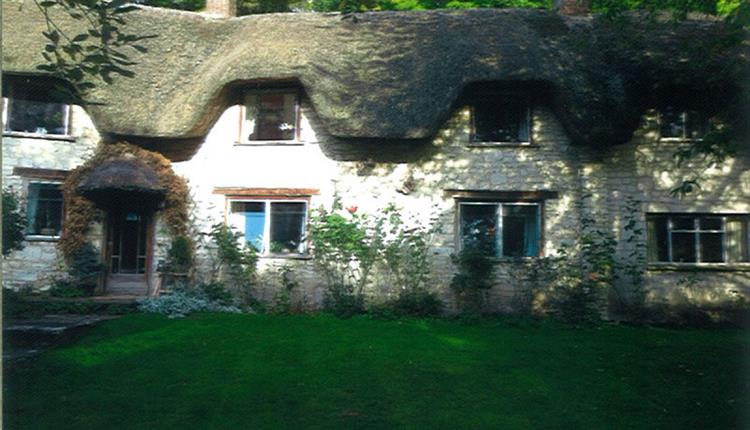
(122, 181)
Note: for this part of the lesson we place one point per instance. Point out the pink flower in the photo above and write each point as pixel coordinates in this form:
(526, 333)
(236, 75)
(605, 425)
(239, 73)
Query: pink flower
(352, 209)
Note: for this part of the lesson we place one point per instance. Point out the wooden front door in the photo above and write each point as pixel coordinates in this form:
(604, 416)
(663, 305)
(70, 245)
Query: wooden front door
(128, 252)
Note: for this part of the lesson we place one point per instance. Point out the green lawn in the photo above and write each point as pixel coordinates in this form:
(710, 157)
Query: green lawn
(222, 371)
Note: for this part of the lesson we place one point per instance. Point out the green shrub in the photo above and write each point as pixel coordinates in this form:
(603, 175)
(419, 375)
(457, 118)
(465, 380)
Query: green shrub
(350, 247)
(283, 303)
(345, 249)
(85, 268)
(235, 264)
(418, 302)
(342, 301)
(179, 256)
(216, 291)
(382, 311)
(476, 272)
(67, 289)
(14, 222)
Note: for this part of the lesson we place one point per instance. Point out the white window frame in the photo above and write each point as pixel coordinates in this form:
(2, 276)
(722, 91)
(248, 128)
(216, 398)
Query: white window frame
(67, 113)
(499, 224)
(242, 138)
(302, 249)
(62, 215)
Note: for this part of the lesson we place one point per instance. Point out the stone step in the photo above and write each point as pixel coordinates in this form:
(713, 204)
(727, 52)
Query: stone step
(23, 338)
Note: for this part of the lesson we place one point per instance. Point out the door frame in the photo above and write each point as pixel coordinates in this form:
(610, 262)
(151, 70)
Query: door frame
(109, 220)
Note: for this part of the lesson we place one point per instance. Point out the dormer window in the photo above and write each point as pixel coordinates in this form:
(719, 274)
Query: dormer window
(501, 118)
(270, 116)
(32, 106)
(682, 124)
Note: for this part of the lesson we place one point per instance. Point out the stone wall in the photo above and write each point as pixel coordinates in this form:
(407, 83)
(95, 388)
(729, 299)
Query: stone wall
(644, 172)
(620, 183)
(39, 261)
(415, 178)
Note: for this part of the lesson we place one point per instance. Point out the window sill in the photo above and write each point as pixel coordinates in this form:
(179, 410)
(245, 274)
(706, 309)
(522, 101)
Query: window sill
(21, 134)
(270, 143)
(286, 256)
(699, 267)
(481, 144)
(41, 238)
(680, 139)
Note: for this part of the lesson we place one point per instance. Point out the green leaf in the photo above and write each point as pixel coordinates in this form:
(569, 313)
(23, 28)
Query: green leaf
(53, 35)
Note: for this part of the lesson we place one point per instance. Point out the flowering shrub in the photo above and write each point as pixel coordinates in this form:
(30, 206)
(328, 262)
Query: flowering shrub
(350, 246)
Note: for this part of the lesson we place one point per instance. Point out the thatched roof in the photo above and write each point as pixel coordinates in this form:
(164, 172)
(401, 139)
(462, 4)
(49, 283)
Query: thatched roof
(119, 178)
(390, 75)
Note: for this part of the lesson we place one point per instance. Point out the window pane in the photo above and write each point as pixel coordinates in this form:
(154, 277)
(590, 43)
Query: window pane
(498, 119)
(44, 209)
(696, 125)
(479, 228)
(683, 223)
(657, 239)
(737, 240)
(36, 117)
(250, 120)
(683, 247)
(287, 226)
(520, 231)
(711, 223)
(35, 105)
(712, 250)
(253, 224)
(672, 123)
(270, 116)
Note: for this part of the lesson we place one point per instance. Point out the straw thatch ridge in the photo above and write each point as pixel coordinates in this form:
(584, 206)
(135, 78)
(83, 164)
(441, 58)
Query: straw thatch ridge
(394, 75)
(121, 175)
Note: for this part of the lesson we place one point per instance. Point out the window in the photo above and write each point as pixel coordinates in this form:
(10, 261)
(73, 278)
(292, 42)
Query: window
(689, 238)
(501, 228)
(44, 209)
(501, 118)
(30, 106)
(272, 227)
(678, 124)
(269, 116)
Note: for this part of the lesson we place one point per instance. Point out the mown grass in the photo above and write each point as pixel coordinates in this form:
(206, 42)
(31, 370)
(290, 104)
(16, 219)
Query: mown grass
(222, 371)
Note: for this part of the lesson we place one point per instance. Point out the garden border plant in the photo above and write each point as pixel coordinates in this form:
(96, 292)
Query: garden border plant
(350, 248)
(14, 222)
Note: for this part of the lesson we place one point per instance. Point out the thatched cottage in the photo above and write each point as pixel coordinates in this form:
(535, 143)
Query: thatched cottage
(523, 122)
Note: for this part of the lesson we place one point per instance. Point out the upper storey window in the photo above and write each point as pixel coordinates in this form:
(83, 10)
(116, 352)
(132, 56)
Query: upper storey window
(33, 106)
(270, 116)
(501, 118)
(681, 124)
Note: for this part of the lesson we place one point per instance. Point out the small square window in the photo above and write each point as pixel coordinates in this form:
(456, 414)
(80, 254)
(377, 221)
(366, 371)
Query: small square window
(680, 124)
(502, 119)
(271, 227)
(44, 209)
(269, 116)
(685, 238)
(501, 229)
(33, 106)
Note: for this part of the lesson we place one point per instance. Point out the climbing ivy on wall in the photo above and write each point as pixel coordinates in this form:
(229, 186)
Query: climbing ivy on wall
(81, 212)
